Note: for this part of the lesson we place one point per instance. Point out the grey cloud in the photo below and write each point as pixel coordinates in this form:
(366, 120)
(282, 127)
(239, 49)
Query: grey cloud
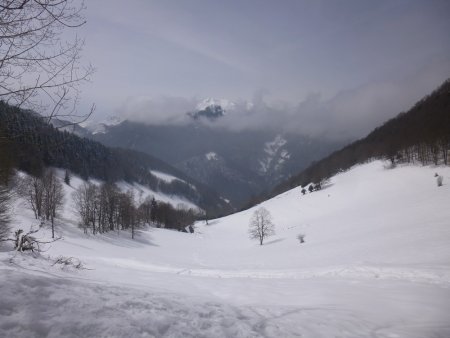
(159, 110)
(363, 62)
(347, 115)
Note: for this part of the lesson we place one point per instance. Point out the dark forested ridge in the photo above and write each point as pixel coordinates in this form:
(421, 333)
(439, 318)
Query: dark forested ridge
(29, 144)
(243, 163)
(421, 135)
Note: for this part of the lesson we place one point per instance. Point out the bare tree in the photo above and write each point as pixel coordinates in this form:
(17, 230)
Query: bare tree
(6, 173)
(45, 196)
(145, 210)
(5, 196)
(85, 203)
(261, 225)
(33, 189)
(53, 197)
(127, 211)
(67, 177)
(109, 202)
(39, 68)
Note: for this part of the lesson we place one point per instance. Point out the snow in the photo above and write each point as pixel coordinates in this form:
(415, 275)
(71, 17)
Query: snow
(272, 147)
(165, 177)
(99, 127)
(226, 200)
(375, 263)
(275, 155)
(141, 192)
(225, 104)
(211, 156)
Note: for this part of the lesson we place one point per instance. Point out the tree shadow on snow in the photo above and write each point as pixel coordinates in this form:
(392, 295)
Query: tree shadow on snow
(122, 238)
(212, 223)
(326, 186)
(275, 241)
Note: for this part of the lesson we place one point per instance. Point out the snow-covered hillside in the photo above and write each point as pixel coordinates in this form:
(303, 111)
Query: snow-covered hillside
(375, 263)
(165, 177)
(100, 127)
(275, 156)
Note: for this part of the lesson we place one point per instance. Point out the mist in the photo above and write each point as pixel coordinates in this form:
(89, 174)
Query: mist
(349, 114)
(320, 68)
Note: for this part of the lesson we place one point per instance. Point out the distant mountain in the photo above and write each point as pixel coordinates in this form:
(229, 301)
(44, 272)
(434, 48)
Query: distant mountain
(210, 112)
(30, 144)
(74, 128)
(224, 104)
(213, 170)
(244, 163)
(102, 126)
(420, 135)
(212, 109)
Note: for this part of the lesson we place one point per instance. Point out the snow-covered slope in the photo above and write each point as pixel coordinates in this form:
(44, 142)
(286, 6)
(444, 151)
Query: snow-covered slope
(100, 127)
(274, 156)
(141, 192)
(165, 177)
(375, 263)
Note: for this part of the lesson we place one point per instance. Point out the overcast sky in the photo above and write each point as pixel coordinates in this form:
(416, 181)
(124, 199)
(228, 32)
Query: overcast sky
(317, 66)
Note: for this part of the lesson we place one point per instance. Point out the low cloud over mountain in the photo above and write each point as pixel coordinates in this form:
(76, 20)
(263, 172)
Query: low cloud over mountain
(348, 114)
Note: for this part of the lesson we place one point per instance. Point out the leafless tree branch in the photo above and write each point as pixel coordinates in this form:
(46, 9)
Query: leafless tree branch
(39, 70)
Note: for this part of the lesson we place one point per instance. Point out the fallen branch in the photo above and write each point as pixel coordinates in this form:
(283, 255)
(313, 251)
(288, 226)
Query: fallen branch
(24, 242)
(69, 262)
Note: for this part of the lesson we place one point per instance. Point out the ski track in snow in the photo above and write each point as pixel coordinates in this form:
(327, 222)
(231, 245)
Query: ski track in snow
(39, 306)
(423, 275)
(376, 263)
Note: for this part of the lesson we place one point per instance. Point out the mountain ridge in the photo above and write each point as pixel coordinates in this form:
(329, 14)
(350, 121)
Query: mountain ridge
(38, 145)
(246, 153)
(421, 134)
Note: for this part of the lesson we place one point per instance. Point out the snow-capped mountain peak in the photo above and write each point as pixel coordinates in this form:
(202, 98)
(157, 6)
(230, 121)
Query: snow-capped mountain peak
(211, 156)
(225, 104)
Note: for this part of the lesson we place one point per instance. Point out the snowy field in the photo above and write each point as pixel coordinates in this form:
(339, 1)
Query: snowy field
(375, 263)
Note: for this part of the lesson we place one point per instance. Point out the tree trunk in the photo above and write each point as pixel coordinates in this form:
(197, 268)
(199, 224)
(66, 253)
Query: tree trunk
(53, 227)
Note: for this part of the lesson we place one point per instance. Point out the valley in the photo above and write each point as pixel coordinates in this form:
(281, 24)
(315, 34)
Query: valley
(224, 169)
(219, 282)
(247, 162)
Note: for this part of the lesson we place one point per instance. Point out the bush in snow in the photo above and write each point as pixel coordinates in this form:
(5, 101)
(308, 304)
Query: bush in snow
(301, 238)
(303, 191)
(261, 225)
(439, 180)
